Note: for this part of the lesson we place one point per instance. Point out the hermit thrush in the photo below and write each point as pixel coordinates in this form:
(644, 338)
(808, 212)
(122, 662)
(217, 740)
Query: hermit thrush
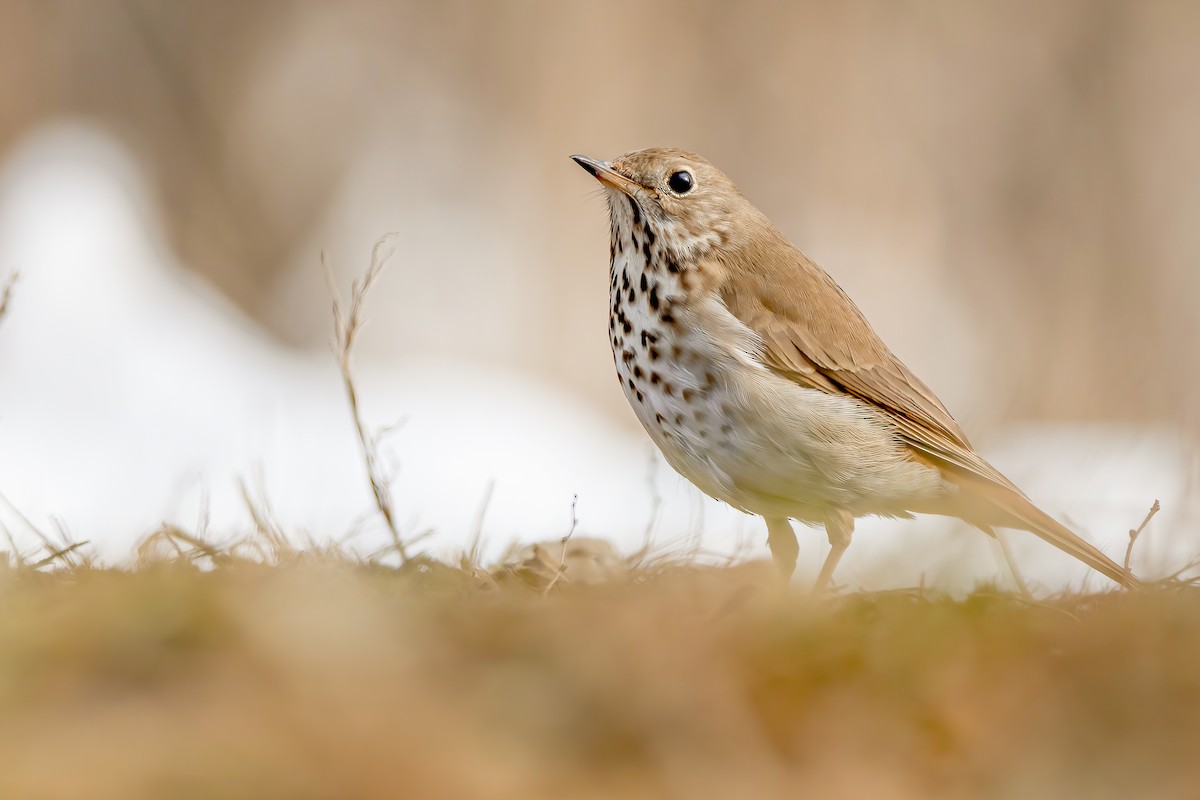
(764, 385)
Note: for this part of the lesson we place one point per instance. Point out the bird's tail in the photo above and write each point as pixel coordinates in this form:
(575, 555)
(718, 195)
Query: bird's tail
(1008, 508)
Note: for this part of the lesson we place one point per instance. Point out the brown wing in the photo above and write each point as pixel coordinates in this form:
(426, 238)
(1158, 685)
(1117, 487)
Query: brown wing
(814, 333)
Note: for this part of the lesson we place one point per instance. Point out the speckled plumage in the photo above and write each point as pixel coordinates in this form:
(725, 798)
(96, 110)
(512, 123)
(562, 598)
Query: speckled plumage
(762, 383)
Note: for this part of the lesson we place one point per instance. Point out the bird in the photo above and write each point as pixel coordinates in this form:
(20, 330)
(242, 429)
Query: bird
(762, 383)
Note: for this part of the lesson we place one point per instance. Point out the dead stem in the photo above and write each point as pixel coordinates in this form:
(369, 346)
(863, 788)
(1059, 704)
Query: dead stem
(1135, 533)
(64, 549)
(347, 322)
(562, 560)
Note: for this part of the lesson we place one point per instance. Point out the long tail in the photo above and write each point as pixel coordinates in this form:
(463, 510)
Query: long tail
(987, 498)
(1011, 509)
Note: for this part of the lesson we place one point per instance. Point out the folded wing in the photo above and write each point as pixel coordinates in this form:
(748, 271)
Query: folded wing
(813, 334)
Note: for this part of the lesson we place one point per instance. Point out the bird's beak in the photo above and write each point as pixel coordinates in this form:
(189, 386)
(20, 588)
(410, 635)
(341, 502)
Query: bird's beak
(603, 172)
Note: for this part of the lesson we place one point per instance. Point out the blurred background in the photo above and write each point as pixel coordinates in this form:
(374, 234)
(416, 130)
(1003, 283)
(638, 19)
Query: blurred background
(1010, 191)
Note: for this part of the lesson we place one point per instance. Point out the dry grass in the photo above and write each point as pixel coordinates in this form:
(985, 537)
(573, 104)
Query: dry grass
(323, 678)
(347, 323)
(254, 668)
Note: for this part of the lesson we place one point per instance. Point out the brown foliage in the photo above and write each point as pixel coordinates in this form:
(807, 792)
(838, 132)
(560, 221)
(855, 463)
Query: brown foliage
(330, 680)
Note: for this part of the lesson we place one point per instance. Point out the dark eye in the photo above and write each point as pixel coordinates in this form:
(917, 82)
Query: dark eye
(681, 182)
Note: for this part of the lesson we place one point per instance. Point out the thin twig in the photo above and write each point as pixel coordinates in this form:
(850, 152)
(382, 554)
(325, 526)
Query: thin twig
(62, 552)
(1135, 533)
(347, 322)
(70, 546)
(562, 560)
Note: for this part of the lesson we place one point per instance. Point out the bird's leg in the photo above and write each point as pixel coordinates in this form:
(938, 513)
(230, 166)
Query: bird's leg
(784, 547)
(839, 525)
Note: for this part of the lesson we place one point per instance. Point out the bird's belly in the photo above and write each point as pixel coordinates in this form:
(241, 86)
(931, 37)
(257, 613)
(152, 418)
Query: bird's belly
(768, 446)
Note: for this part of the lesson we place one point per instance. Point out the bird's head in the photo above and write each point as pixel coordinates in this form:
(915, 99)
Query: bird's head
(684, 201)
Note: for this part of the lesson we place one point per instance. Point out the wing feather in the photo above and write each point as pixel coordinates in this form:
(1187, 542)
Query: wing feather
(812, 332)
